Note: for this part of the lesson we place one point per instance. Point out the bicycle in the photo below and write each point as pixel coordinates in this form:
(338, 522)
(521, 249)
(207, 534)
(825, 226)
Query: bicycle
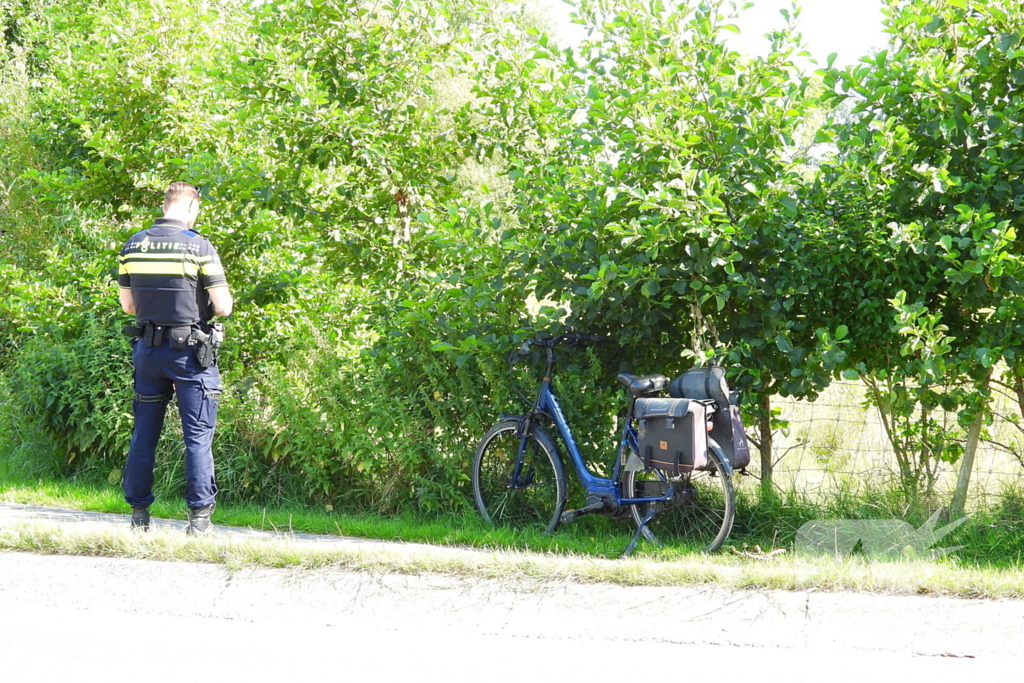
(519, 479)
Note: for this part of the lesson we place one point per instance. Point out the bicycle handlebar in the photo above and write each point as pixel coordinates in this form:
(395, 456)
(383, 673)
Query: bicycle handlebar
(570, 338)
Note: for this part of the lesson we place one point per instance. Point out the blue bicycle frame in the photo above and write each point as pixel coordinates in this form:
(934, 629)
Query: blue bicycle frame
(601, 491)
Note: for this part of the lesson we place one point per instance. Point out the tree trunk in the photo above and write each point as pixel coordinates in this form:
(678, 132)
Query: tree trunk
(963, 482)
(765, 445)
(1018, 388)
(886, 412)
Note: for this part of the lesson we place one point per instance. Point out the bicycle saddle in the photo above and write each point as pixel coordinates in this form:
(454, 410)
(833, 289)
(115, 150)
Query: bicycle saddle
(638, 386)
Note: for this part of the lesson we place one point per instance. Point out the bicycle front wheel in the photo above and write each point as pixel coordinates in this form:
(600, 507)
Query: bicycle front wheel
(702, 515)
(532, 497)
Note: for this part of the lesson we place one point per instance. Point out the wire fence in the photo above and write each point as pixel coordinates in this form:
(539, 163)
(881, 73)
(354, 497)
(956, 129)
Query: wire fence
(838, 443)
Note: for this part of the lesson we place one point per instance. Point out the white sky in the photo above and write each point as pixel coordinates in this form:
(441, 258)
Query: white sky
(851, 28)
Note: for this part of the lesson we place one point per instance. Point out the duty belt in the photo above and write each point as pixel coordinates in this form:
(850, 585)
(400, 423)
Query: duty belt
(205, 345)
(155, 335)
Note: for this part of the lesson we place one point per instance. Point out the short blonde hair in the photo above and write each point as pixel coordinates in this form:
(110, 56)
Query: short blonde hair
(179, 192)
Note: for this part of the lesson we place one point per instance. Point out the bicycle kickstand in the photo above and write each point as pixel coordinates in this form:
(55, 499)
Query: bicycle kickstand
(648, 516)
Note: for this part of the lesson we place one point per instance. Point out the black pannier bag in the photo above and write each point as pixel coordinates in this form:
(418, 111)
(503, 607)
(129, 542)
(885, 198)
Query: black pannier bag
(728, 433)
(672, 433)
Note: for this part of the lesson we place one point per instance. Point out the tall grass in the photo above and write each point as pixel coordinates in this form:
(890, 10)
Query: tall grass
(837, 444)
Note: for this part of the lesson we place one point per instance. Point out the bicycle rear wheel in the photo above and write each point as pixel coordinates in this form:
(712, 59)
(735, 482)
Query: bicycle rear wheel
(536, 498)
(703, 516)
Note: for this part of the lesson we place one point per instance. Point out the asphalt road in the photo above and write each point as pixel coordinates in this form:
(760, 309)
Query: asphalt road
(83, 619)
(64, 644)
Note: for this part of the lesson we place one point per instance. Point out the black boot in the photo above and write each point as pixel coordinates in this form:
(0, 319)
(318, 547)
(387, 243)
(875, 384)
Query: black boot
(199, 520)
(140, 518)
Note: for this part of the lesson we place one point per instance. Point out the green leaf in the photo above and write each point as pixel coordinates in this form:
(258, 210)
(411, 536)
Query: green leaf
(650, 288)
(1007, 42)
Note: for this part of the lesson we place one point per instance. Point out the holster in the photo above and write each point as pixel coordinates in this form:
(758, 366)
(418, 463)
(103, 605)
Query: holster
(204, 348)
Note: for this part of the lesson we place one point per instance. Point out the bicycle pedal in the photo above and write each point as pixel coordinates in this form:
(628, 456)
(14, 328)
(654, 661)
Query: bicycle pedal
(570, 515)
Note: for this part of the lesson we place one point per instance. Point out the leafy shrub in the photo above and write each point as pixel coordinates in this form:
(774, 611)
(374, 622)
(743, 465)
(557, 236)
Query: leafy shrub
(77, 391)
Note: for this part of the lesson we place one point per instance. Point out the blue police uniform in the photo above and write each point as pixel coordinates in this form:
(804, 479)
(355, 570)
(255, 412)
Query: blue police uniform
(169, 270)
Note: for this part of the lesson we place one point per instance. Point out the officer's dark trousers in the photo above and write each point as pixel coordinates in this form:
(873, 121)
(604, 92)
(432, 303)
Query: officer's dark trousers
(160, 373)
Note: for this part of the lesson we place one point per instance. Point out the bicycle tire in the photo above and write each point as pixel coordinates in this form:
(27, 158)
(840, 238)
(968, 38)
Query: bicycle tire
(537, 502)
(704, 520)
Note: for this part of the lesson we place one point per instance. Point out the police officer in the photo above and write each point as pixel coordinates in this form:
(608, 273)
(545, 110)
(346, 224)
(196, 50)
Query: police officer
(171, 279)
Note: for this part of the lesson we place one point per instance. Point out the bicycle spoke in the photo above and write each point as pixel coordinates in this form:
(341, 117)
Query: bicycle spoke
(536, 498)
(704, 517)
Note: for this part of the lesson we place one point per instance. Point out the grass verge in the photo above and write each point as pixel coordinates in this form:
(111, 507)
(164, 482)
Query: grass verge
(595, 536)
(779, 572)
(989, 566)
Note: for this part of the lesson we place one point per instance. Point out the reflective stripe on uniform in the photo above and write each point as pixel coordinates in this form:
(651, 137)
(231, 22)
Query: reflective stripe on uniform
(211, 269)
(160, 268)
(168, 268)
